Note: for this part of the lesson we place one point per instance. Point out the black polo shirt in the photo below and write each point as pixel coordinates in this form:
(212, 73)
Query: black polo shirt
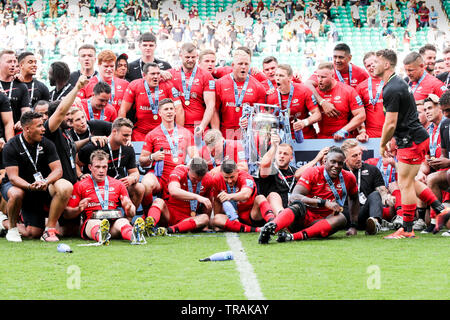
(37, 90)
(368, 178)
(17, 92)
(14, 155)
(116, 169)
(281, 182)
(398, 97)
(135, 68)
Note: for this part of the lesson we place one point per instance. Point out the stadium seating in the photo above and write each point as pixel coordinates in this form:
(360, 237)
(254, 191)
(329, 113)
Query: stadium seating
(360, 40)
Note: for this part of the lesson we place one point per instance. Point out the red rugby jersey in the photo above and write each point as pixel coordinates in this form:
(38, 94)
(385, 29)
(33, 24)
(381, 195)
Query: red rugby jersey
(120, 85)
(314, 181)
(374, 113)
(137, 95)
(345, 99)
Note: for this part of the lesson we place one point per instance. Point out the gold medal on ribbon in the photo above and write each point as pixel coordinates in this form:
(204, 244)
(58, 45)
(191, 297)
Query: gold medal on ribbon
(238, 109)
(155, 117)
(193, 213)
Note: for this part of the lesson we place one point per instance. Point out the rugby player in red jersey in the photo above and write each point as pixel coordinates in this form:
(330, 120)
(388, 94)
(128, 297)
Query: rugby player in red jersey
(370, 92)
(317, 202)
(97, 107)
(421, 82)
(144, 95)
(344, 72)
(100, 193)
(189, 205)
(176, 143)
(345, 100)
(250, 211)
(106, 61)
(296, 97)
(196, 88)
(233, 91)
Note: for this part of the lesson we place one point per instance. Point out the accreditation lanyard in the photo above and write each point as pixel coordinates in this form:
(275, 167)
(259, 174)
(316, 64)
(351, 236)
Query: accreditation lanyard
(341, 79)
(339, 200)
(418, 83)
(70, 142)
(61, 94)
(118, 160)
(187, 90)
(78, 137)
(173, 143)
(387, 174)
(91, 112)
(270, 84)
(239, 98)
(377, 96)
(153, 104)
(291, 94)
(34, 163)
(10, 89)
(104, 203)
(434, 138)
(113, 88)
(285, 180)
(213, 159)
(32, 93)
(231, 190)
(193, 203)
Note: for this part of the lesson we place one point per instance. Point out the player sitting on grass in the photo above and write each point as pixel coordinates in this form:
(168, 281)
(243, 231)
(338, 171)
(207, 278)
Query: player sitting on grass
(317, 203)
(100, 199)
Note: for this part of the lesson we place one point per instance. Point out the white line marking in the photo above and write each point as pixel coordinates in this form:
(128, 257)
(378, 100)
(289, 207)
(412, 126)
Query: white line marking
(249, 281)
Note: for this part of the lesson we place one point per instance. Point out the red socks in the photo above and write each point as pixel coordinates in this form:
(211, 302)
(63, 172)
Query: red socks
(183, 226)
(427, 196)
(154, 212)
(284, 219)
(236, 226)
(94, 233)
(266, 211)
(126, 231)
(409, 211)
(321, 228)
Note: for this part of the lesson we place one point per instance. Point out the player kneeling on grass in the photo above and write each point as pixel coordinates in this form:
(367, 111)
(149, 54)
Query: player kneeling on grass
(99, 199)
(189, 205)
(316, 204)
(237, 208)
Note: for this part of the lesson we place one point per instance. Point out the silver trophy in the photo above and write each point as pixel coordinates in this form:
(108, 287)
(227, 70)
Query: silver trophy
(263, 120)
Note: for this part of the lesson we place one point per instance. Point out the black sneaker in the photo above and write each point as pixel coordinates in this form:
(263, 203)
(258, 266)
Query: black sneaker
(428, 229)
(266, 231)
(284, 236)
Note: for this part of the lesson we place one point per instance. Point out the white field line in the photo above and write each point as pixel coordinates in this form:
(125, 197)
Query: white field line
(249, 281)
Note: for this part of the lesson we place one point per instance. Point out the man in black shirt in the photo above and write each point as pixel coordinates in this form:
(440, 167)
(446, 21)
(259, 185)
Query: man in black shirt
(33, 180)
(28, 66)
(373, 194)
(411, 138)
(147, 45)
(58, 75)
(82, 129)
(276, 175)
(122, 161)
(16, 91)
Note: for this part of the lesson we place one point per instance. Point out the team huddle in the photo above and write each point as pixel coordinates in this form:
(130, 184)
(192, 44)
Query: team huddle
(141, 149)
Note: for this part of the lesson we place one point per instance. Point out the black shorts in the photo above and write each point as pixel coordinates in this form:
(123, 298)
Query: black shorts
(35, 206)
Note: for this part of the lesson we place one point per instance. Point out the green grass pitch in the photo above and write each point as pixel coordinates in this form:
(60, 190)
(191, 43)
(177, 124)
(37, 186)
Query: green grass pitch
(168, 268)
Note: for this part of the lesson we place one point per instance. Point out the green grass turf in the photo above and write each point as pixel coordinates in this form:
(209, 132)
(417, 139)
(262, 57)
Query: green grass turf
(167, 268)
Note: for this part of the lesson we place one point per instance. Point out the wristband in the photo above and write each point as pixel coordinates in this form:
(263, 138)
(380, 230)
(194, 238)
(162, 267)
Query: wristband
(342, 133)
(305, 122)
(353, 225)
(321, 203)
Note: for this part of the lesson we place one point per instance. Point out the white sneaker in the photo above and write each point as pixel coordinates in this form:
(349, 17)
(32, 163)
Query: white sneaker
(446, 234)
(3, 217)
(397, 221)
(372, 226)
(419, 225)
(13, 235)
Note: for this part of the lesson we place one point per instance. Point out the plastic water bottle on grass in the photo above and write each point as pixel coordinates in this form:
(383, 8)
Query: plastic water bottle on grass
(219, 256)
